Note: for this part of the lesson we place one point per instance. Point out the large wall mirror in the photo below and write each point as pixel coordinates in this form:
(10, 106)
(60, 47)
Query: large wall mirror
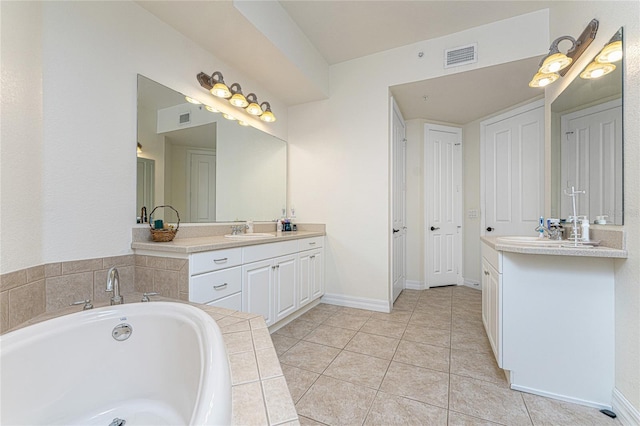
(586, 147)
(208, 168)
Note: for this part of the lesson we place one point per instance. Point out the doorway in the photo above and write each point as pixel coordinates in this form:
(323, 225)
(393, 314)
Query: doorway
(398, 203)
(201, 180)
(443, 205)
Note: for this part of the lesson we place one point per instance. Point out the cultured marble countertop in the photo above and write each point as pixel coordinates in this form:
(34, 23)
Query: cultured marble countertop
(217, 242)
(554, 250)
(260, 395)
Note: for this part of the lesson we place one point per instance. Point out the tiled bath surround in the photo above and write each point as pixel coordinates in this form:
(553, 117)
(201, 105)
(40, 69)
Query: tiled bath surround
(27, 293)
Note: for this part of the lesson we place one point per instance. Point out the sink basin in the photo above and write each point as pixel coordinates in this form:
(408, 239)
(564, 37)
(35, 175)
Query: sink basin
(529, 241)
(252, 236)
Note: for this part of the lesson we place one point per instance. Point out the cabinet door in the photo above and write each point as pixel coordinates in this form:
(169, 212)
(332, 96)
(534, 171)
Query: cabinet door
(304, 278)
(317, 274)
(485, 294)
(495, 312)
(257, 289)
(284, 281)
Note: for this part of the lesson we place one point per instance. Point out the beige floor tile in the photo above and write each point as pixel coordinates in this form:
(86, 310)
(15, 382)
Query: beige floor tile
(404, 304)
(432, 336)
(310, 356)
(335, 402)
(423, 355)
(479, 365)
(359, 369)
(434, 306)
(298, 380)
(384, 328)
(283, 343)
(390, 410)
(470, 341)
(305, 421)
(545, 411)
(327, 307)
(422, 384)
(244, 368)
(488, 401)
(428, 320)
(316, 315)
(374, 345)
(395, 315)
(330, 336)
(346, 320)
(458, 419)
(297, 328)
(354, 311)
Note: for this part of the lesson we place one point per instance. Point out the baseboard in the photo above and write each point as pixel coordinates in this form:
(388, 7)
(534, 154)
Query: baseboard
(473, 284)
(414, 285)
(627, 413)
(559, 397)
(356, 302)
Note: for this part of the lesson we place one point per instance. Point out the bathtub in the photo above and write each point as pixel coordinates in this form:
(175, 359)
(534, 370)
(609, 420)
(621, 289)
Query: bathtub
(171, 368)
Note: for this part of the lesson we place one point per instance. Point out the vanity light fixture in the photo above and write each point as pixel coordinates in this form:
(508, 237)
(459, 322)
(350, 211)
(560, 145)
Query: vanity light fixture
(603, 62)
(243, 123)
(210, 108)
(193, 101)
(556, 63)
(237, 98)
(267, 115)
(253, 108)
(215, 84)
(228, 117)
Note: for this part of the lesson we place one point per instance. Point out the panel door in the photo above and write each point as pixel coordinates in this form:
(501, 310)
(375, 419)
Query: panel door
(305, 277)
(317, 273)
(399, 231)
(202, 191)
(284, 281)
(257, 289)
(513, 171)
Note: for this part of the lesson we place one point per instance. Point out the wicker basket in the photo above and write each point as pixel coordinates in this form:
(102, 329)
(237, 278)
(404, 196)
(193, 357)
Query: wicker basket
(163, 235)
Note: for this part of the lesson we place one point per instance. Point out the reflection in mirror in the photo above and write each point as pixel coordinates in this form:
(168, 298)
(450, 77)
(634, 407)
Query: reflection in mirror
(586, 147)
(208, 168)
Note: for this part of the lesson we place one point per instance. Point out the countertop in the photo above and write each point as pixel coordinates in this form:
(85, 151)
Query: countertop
(554, 250)
(260, 395)
(217, 242)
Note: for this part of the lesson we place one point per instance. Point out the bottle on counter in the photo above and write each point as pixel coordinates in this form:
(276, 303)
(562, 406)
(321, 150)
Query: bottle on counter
(584, 224)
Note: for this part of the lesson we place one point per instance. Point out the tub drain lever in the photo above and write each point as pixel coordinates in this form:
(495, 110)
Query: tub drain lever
(117, 422)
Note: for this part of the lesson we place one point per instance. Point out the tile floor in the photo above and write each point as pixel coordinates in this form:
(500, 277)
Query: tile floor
(428, 362)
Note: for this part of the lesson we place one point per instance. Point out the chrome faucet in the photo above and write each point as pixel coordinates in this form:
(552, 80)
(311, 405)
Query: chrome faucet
(553, 232)
(238, 229)
(113, 284)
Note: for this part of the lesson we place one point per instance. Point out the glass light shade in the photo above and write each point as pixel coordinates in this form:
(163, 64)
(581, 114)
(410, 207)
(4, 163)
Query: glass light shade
(254, 109)
(596, 70)
(268, 117)
(554, 63)
(239, 100)
(192, 101)
(229, 117)
(543, 79)
(612, 52)
(243, 123)
(210, 108)
(220, 90)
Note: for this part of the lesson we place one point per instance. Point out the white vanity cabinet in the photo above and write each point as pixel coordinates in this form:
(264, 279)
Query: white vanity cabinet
(216, 278)
(492, 299)
(311, 267)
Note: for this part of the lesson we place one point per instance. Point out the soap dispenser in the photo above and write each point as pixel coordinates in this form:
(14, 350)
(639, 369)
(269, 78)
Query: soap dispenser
(584, 224)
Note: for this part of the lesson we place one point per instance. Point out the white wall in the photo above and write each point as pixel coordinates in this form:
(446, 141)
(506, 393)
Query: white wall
(22, 209)
(567, 18)
(340, 155)
(75, 172)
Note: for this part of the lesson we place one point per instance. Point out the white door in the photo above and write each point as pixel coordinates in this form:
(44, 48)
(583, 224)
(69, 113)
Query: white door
(443, 204)
(202, 187)
(284, 282)
(399, 241)
(512, 150)
(592, 161)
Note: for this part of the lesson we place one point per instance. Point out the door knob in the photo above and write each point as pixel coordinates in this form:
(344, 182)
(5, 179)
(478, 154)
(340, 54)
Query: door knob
(396, 230)
(435, 228)
(489, 229)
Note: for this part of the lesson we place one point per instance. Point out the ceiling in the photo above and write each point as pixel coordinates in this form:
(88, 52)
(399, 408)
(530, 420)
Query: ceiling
(344, 30)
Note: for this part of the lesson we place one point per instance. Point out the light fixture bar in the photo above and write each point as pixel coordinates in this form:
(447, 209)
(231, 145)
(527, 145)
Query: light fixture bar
(585, 39)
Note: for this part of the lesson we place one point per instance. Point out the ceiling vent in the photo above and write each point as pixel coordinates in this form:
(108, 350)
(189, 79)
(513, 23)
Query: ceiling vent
(461, 55)
(184, 118)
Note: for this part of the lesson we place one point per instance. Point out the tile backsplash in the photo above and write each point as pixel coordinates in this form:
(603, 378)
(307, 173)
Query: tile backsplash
(27, 293)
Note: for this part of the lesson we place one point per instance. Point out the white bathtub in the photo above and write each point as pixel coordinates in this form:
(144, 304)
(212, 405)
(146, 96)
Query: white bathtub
(70, 370)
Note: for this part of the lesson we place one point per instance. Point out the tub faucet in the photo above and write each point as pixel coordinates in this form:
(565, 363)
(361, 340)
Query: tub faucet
(113, 284)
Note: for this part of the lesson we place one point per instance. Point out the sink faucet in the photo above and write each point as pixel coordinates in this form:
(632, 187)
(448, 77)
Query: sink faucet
(553, 232)
(113, 284)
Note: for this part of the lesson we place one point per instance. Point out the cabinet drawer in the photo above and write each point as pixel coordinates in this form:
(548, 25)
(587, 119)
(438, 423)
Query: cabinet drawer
(230, 302)
(493, 257)
(310, 243)
(205, 288)
(268, 251)
(213, 260)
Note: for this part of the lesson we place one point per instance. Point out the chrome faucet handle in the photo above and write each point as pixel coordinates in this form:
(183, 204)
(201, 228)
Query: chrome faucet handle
(145, 296)
(87, 304)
